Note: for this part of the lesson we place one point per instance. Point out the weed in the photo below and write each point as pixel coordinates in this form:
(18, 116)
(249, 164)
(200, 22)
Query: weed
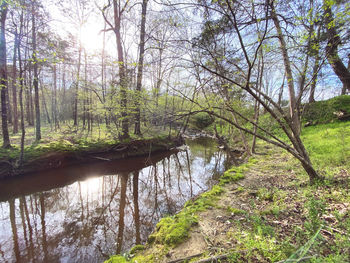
(315, 209)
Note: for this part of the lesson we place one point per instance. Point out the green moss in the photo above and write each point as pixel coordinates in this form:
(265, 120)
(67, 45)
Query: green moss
(235, 211)
(235, 174)
(143, 259)
(116, 259)
(173, 229)
(136, 248)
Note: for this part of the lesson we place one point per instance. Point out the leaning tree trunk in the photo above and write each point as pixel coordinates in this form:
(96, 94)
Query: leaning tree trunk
(332, 49)
(294, 125)
(294, 113)
(3, 76)
(344, 89)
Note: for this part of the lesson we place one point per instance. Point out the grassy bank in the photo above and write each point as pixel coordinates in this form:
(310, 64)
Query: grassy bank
(62, 147)
(265, 211)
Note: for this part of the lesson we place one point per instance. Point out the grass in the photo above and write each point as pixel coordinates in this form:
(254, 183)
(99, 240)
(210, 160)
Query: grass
(293, 223)
(65, 139)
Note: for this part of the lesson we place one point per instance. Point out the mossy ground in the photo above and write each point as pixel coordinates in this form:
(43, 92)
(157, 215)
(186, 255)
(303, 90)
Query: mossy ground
(65, 139)
(265, 211)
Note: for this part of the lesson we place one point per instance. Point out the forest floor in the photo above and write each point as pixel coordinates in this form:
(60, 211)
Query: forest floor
(272, 214)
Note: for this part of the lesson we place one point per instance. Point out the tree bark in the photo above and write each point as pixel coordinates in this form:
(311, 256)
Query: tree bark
(23, 131)
(140, 68)
(3, 76)
(14, 85)
(344, 90)
(293, 109)
(332, 49)
(122, 72)
(36, 80)
(315, 69)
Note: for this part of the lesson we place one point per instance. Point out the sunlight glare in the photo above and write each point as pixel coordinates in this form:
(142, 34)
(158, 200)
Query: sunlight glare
(91, 38)
(91, 186)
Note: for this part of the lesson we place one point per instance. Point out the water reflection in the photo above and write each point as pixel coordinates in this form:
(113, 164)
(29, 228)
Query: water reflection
(68, 216)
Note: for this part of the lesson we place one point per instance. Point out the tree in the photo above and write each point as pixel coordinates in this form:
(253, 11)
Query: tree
(234, 63)
(334, 41)
(3, 75)
(118, 10)
(140, 67)
(36, 76)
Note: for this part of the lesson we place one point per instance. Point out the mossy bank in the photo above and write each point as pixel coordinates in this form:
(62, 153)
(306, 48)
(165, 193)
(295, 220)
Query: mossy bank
(64, 153)
(265, 210)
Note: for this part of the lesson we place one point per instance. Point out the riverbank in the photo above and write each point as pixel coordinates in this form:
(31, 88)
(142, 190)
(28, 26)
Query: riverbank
(64, 153)
(265, 211)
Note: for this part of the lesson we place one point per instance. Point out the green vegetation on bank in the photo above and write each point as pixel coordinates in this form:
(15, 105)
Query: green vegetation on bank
(320, 112)
(287, 222)
(65, 141)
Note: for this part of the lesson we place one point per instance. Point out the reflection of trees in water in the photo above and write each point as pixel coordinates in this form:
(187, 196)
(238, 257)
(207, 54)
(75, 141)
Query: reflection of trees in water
(86, 223)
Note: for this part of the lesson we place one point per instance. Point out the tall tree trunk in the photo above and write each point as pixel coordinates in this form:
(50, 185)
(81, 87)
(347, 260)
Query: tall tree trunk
(35, 80)
(3, 76)
(315, 68)
(332, 48)
(293, 109)
(54, 98)
(23, 131)
(122, 72)
(140, 68)
(294, 121)
(344, 90)
(14, 85)
(75, 110)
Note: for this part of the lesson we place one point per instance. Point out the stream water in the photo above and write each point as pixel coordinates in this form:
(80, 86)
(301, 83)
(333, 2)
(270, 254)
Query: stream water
(85, 213)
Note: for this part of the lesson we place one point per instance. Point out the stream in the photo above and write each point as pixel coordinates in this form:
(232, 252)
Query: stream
(86, 213)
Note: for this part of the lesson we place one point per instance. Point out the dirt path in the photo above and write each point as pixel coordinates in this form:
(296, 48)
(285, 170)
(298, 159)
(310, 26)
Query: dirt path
(210, 236)
(267, 217)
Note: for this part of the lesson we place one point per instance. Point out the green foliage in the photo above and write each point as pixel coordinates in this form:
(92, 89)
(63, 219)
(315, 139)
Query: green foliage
(316, 209)
(202, 120)
(136, 248)
(323, 111)
(265, 194)
(116, 259)
(235, 211)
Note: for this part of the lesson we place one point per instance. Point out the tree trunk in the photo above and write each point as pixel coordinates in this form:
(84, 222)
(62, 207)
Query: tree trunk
(315, 69)
(140, 68)
(35, 80)
(344, 90)
(75, 110)
(122, 74)
(14, 85)
(332, 49)
(3, 76)
(23, 131)
(293, 109)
